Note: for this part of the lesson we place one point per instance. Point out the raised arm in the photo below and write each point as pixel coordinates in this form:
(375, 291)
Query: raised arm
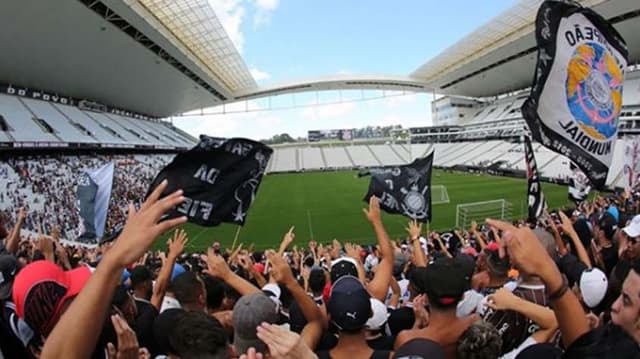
(503, 299)
(479, 236)
(526, 252)
(217, 267)
(286, 240)
(80, 326)
(282, 273)
(379, 285)
(567, 228)
(12, 242)
(419, 257)
(176, 246)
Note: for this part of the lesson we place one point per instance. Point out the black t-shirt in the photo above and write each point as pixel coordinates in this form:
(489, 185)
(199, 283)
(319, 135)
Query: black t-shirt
(400, 319)
(609, 257)
(383, 342)
(609, 341)
(147, 314)
(377, 354)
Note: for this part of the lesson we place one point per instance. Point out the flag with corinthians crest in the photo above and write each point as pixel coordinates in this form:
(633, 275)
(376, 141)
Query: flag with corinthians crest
(576, 96)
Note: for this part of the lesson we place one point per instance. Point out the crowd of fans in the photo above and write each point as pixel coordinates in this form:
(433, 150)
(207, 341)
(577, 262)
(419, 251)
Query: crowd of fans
(46, 186)
(566, 286)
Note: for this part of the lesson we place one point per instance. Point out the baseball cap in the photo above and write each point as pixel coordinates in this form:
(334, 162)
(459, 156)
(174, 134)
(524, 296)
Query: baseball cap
(399, 262)
(177, 270)
(446, 280)
(633, 229)
(380, 315)
(593, 286)
(249, 311)
(349, 305)
(343, 266)
(608, 224)
(8, 270)
(41, 288)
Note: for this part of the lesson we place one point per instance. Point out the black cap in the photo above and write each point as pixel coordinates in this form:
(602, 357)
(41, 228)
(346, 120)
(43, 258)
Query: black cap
(350, 304)
(445, 281)
(343, 266)
(419, 348)
(8, 270)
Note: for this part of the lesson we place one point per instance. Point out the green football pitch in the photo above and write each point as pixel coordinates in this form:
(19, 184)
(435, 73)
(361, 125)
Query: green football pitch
(327, 205)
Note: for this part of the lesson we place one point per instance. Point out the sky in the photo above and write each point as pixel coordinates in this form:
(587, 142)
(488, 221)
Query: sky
(284, 40)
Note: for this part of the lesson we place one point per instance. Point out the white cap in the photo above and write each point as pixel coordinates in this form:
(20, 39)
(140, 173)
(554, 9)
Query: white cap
(380, 315)
(273, 288)
(472, 302)
(593, 286)
(633, 229)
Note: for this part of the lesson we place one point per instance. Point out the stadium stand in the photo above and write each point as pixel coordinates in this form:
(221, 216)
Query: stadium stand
(337, 157)
(37, 123)
(362, 155)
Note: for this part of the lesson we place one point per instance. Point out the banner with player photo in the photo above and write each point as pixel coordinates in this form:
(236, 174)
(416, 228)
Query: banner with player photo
(404, 189)
(576, 96)
(220, 178)
(535, 197)
(631, 162)
(93, 193)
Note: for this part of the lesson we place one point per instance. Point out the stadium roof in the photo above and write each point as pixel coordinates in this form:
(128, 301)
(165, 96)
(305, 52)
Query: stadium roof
(500, 56)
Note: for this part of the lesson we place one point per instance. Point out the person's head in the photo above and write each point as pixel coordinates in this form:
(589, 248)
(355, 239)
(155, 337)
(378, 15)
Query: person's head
(632, 232)
(547, 241)
(343, 266)
(399, 262)
(625, 311)
(379, 317)
(42, 291)
(605, 227)
(480, 341)
(497, 267)
(8, 270)
(349, 306)
(215, 293)
(197, 335)
(317, 280)
(444, 282)
(593, 287)
(141, 281)
(125, 305)
(249, 311)
(189, 290)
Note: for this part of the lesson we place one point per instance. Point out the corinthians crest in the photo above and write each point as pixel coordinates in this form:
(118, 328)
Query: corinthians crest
(404, 189)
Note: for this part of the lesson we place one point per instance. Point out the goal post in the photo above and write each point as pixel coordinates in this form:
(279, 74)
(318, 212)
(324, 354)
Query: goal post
(439, 194)
(479, 211)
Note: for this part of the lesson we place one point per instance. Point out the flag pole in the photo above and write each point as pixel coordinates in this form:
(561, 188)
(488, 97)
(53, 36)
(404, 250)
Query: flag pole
(235, 239)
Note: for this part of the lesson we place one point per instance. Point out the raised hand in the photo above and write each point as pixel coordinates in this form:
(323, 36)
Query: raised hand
(143, 226)
(414, 229)
(289, 237)
(373, 213)
(352, 250)
(280, 270)
(523, 248)
(335, 248)
(282, 343)
(502, 299)
(128, 347)
(216, 265)
(567, 226)
(177, 243)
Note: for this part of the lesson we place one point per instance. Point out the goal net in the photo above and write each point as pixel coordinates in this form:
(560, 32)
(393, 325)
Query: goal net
(479, 211)
(439, 194)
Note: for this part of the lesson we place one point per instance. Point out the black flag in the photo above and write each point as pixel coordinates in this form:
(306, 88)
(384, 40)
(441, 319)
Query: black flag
(535, 197)
(404, 189)
(579, 186)
(220, 178)
(576, 96)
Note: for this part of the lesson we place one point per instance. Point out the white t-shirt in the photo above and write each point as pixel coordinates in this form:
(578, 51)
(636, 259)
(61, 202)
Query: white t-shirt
(524, 345)
(404, 293)
(169, 303)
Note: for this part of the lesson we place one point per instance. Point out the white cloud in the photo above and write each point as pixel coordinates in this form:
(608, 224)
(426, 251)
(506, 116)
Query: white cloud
(264, 9)
(259, 75)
